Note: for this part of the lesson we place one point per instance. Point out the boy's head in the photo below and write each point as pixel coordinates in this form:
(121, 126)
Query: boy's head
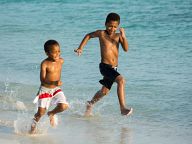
(52, 49)
(112, 17)
(48, 46)
(112, 22)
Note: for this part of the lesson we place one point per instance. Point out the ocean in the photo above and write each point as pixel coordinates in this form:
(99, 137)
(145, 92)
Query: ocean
(157, 69)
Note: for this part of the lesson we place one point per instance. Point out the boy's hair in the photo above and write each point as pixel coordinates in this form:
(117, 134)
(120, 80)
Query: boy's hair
(48, 45)
(112, 17)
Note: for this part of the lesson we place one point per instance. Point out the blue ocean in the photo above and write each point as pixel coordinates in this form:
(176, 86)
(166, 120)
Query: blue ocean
(157, 69)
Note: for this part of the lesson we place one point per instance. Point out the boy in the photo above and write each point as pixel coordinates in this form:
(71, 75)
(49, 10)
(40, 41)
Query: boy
(109, 47)
(49, 92)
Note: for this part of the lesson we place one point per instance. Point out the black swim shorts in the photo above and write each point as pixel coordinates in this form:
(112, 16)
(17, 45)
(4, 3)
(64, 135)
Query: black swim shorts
(109, 74)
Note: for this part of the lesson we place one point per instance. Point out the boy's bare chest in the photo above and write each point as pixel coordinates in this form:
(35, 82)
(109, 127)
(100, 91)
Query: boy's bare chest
(109, 41)
(54, 67)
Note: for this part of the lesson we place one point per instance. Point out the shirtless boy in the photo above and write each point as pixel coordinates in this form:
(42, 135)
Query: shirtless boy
(50, 92)
(109, 48)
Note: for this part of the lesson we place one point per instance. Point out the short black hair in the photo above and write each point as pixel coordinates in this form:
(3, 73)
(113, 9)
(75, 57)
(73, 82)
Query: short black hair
(48, 45)
(112, 17)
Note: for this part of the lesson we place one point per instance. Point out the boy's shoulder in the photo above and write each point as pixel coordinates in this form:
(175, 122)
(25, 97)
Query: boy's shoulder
(45, 61)
(48, 60)
(100, 31)
(61, 60)
(104, 32)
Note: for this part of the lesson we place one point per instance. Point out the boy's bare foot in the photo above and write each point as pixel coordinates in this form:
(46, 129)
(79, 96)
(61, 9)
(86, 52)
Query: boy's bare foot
(52, 119)
(127, 112)
(89, 108)
(33, 127)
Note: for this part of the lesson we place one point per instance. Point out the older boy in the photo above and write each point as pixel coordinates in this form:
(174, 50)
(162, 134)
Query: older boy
(109, 47)
(50, 92)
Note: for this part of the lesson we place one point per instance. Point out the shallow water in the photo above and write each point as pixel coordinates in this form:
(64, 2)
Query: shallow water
(157, 69)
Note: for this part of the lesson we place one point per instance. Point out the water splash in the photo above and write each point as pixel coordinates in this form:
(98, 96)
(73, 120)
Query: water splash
(6, 123)
(20, 105)
(9, 98)
(22, 125)
(77, 107)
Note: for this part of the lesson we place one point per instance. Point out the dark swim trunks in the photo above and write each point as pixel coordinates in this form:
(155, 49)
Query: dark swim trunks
(109, 74)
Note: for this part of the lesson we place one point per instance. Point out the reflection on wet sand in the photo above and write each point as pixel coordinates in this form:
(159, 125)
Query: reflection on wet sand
(125, 136)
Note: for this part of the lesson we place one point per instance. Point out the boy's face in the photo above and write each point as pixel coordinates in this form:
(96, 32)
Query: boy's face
(111, 27)
(54, 53)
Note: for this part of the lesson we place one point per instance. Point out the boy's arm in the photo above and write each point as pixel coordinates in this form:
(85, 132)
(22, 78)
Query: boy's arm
(43, 73)
(62, 60)
(123, 39)
(85, 40)
(59, 83)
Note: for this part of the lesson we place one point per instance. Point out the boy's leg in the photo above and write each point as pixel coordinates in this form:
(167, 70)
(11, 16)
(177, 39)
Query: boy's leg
(121, 95)
(37, 116)
(99, 94)
(59, 108)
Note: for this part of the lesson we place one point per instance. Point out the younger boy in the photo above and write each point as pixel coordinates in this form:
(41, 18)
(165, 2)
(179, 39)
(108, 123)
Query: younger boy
(109, 47)
(50, 92)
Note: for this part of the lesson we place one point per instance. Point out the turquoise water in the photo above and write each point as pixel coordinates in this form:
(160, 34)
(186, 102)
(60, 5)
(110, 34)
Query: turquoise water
(157, 69)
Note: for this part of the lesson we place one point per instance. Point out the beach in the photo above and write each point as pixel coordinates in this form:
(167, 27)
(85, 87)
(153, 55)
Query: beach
(157, 69)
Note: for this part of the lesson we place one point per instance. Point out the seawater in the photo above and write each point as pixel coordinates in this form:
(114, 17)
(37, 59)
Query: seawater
(157, 69)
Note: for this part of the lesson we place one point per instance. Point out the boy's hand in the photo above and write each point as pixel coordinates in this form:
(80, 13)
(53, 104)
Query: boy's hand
(59, 83)
(122, 32)
(78, 51)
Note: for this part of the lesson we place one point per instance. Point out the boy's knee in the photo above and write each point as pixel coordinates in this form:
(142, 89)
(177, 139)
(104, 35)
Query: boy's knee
(103, 92)
(120, 80)
(39, 114)
(64, 106)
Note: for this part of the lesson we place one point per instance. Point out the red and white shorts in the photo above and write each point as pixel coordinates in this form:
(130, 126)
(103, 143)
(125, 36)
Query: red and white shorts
(48, 96)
